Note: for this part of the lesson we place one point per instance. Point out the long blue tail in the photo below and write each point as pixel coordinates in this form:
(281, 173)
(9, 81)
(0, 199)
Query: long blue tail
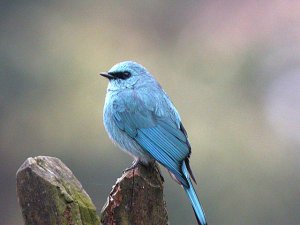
(193, 197)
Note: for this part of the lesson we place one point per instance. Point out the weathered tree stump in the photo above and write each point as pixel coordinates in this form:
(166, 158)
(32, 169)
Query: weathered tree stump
(136, 199)
(49, 194)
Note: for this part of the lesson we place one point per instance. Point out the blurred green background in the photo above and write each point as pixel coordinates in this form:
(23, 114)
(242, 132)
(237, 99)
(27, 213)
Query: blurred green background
(232, 68)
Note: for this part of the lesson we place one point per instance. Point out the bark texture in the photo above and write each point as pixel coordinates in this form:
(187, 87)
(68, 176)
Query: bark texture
(136, 199)
(49, 194)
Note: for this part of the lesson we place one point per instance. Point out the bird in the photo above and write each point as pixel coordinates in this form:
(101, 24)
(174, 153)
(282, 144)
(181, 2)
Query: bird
(141, 120)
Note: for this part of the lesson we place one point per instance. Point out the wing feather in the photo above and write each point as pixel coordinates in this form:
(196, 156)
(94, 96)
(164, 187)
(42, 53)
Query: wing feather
(150, 146)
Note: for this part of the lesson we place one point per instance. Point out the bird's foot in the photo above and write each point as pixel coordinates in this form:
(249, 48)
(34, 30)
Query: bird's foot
(157, 168)
(134, 165)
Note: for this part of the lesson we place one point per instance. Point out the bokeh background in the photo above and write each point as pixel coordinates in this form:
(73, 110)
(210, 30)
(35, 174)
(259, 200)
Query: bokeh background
(232, 68)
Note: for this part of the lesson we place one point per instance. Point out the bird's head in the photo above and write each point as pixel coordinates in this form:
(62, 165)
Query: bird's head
(126, 74)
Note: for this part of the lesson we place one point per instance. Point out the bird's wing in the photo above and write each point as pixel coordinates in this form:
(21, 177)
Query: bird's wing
(157, 133)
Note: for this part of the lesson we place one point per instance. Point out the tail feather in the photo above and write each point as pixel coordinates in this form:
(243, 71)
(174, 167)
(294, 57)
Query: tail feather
(199, 213)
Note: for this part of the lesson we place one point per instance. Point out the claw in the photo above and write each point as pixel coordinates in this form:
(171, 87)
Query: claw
(135, 164)
(159, 171)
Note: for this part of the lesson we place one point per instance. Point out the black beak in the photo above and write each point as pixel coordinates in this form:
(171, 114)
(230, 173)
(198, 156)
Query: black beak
(107, 75)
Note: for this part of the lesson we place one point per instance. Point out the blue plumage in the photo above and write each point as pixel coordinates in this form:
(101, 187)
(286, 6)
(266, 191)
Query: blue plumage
(140, 118)
(193, 197)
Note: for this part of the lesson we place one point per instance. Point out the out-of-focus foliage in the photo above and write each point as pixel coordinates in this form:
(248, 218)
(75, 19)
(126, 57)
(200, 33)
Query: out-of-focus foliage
(231, 68)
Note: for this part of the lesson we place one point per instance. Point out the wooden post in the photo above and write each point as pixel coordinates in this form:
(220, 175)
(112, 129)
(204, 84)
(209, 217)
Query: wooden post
(136, 199)
(49, 194)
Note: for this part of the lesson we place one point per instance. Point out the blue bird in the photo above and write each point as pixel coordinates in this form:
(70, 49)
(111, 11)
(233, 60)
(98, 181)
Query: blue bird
(140, 118)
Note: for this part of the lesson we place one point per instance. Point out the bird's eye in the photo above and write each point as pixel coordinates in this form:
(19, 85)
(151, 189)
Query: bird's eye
(120, 75)
(124, 75)
(127, 74)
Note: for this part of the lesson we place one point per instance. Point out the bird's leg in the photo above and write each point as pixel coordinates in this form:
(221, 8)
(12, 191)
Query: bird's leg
(156, 166)
(134, 164)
